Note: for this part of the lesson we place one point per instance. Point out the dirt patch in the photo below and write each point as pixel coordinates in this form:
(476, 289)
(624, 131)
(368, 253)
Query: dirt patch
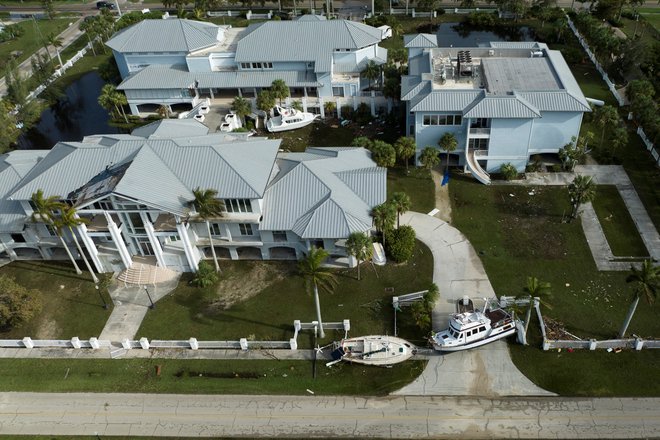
(236, 287)
(442, 201)
(48, 329)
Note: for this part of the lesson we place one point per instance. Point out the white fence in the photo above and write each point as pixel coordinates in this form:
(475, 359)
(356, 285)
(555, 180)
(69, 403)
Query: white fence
(619, 99)
(248, 14)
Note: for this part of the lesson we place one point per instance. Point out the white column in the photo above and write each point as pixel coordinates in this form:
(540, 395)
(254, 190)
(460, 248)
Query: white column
(185, 240)
(227, 231)
(321, 107)
(155, 244)
(233, 253)
(119, 241)
(373, 103)
(91, 247)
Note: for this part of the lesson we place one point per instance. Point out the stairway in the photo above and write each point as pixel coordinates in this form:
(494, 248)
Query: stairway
(142, 274)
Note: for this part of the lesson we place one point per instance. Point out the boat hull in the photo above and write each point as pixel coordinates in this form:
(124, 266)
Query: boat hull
(475, 344)
(286, 127)
(376, 350)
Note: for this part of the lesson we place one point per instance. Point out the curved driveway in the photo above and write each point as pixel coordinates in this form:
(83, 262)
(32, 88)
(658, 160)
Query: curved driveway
(457, 271)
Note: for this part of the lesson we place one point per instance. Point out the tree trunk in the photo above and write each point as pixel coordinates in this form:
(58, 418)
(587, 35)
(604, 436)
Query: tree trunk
(59, 58)
(68, 252)
(631, 312)
(574, 213)
(447, 170)
(215, 258)
(84, 257)
(358, 268)
(318, 311)
(121, 107)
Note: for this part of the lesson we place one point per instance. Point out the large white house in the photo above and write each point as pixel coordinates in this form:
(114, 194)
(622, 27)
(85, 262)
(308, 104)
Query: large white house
(503, 102)
(180, 62)
(136, 193)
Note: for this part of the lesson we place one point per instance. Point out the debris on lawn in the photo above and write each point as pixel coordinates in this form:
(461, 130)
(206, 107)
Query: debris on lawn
(555, 330)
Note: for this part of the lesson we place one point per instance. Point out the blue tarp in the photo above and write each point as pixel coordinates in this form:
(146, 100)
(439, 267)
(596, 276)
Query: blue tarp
(445, 179)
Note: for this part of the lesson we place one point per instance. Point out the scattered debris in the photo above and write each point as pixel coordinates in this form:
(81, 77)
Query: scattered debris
(310, 391)
(555, 330)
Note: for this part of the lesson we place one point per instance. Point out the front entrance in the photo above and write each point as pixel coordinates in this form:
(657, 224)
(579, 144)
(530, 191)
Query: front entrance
(145, 247)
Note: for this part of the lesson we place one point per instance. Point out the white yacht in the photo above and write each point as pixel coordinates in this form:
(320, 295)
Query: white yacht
(283, 119)
(373, 350)
(473, 328)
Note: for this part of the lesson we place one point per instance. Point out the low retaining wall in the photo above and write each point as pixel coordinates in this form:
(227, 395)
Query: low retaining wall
(592, 344)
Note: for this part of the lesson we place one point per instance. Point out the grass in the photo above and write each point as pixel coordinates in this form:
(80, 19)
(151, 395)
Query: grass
(71, 305)
(619, 228)
(30, 41)
(591, 83)
(526, 237)
(314, 135)
(201, 376)
(417, 184)
(278, 297)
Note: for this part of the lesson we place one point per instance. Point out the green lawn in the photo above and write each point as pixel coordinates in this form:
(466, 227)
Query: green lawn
(314, 135)
(202, 376)
(30, 41)
(417, 184)
(71, 305)
(619, 228)
(278, 297)
(525, 236)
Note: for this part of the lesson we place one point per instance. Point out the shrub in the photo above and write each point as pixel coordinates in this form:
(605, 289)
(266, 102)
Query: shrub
(17, 303)
(346, 112)
(401, 244)
(205, 276)
(383, 154)
(573, 55)
(508, 171)
(363, 114)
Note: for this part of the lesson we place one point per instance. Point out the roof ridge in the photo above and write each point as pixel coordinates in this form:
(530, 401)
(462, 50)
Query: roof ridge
(213, 147)
(166, 164)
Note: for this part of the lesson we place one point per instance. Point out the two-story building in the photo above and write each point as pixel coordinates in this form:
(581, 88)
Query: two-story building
(504, 102)
(136, 194)
(181, 62)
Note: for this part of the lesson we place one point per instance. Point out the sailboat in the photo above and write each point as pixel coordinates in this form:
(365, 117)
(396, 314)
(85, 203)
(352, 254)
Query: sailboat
(373, 350)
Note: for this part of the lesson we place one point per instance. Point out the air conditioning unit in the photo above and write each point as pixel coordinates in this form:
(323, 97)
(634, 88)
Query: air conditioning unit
(491, 53)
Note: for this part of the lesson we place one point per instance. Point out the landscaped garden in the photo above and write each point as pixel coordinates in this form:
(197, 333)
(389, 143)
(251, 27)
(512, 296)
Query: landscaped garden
(260, 300)
(521, 232)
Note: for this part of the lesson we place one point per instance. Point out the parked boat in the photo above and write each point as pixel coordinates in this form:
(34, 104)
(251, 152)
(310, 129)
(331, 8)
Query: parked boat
(473, 328)
(230, 122)
(373, 350)
(288, 119)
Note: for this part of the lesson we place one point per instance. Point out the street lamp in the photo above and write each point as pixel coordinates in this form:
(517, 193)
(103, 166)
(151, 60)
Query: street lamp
(105, 304)
(152, 305)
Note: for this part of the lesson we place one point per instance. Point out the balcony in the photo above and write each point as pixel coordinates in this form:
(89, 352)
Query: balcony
(98, 222)
(165, 222)
(476, 132)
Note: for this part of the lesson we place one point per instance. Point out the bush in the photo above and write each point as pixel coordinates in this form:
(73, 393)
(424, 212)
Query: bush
(482, 19)
(346, 112)
(508, 171)
(363, 114)
(573, 55)
(205, 276)
(17, 304)
(401, 244)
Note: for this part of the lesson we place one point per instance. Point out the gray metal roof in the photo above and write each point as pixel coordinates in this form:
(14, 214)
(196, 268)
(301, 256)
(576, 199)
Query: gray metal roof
(555, 101)
(307, 41)
(171, 35)
(13, 166)
(504, 75)
(566, 77)
(419, 64)
(515, 45)
(166, 128)
(420, 40)
(174, 77)
(161, 172)
(324, 193)
(499, 106)
(310, 17)
(438, 100)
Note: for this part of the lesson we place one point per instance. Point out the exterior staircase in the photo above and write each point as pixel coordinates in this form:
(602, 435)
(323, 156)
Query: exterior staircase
(143, 273)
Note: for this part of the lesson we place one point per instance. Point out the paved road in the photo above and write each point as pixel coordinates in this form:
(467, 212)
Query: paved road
(337, 416)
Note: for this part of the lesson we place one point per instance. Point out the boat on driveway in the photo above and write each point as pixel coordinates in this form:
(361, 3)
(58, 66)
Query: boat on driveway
(373, 350)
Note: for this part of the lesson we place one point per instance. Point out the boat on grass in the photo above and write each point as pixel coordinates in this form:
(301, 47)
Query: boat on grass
(283, 119)
(373, 350)
(472, 328)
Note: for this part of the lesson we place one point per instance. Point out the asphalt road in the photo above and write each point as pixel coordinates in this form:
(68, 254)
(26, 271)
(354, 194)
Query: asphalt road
(312, 416)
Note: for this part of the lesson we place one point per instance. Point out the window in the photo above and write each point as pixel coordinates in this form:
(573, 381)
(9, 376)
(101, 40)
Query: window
(238, 205)
(268, 65)
(442, 120)
(215, 229)
(338, 91)
(478, 144)
(51, 230)
(245, 228)
(279, 235)
(482, 329)
(245, 65)
(18, 238)
(104, 205)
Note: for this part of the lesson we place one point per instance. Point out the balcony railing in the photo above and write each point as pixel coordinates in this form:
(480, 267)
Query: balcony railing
(485, 131)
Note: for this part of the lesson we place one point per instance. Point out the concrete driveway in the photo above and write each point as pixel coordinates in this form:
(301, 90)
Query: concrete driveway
(457, 270)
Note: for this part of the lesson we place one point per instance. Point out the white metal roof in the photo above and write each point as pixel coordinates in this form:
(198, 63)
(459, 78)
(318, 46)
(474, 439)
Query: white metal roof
(171, 35)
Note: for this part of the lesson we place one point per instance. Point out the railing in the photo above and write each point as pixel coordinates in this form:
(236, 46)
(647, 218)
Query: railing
(485, 131)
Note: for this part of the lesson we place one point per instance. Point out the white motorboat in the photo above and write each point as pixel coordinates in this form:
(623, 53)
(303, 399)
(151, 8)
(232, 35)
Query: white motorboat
(230, 122)
(373, 350)
(288, 119)
(473, 328)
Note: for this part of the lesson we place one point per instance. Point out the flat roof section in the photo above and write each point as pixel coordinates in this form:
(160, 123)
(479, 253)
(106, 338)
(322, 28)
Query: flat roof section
(504, 75)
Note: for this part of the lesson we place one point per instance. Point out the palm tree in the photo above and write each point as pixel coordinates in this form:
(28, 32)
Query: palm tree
(316, 275)
(265, 101)
(279, 89)
(448, 143)
(429, 157)
(242, 107)
(371, 71)
(646, 283)
(330, 107)
(43, 210)
(108, 99)
(56, 42)
(68, 219)
(359, 245)
(535, 289)
(164, 111)
(208, 206)
(580, 191)
(120, 100)
(405, 148)
(401, 203)
(384, 216)
(604, 117)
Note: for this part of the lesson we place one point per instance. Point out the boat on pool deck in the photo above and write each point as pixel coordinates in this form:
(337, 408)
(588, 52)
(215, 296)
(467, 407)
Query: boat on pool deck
(283, 119)
(373, 350)
(472, 328)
